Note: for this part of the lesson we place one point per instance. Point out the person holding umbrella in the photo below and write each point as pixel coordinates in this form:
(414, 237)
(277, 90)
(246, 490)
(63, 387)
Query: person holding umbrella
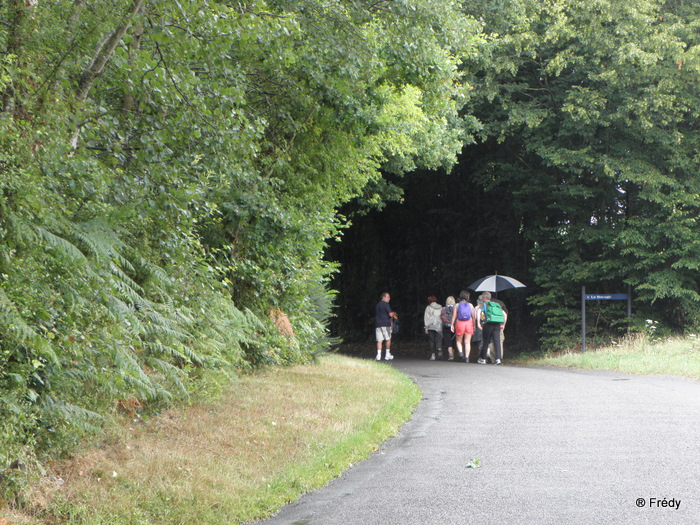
(478, 334)
(495, 318)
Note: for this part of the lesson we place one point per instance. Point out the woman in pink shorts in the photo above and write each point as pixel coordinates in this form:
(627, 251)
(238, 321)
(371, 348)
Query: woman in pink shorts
(463, 325)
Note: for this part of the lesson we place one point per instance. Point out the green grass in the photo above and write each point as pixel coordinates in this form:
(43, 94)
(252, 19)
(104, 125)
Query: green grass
(636, 355)
(267, 439)
(272, 437)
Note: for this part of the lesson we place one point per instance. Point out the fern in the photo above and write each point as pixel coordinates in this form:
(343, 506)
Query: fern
(114, 326)
(133, 375)
(62, 246)
(19, 230)
(74, 415)
(171, 373)
(12, 322)
(17, 331)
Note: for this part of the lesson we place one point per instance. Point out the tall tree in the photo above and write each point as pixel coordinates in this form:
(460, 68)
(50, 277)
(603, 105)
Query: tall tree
(169, 174)
(584, 172)
(592, 110)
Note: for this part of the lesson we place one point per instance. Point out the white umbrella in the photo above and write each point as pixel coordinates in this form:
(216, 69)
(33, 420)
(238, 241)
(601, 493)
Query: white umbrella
(495, 283)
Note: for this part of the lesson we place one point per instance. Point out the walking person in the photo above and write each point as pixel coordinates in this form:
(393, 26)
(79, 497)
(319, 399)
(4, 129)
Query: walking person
(382, 326)
(433, 326)
(463, 325)
(448, 335)
(491, 352)
(478, 332)
(495, 318)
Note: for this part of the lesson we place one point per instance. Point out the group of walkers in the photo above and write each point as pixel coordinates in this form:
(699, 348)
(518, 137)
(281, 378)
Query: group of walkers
(457, 324)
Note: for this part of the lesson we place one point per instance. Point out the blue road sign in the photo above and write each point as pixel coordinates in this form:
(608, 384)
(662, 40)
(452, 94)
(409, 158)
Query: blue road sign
(601, 297)
(606, 297)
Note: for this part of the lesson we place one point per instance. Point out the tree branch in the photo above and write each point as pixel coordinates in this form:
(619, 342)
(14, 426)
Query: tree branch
(290, 143)
(104, 53)
(99, 61)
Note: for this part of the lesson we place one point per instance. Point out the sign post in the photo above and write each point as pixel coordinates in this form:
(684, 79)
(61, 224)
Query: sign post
(601, 297)
(583, 319)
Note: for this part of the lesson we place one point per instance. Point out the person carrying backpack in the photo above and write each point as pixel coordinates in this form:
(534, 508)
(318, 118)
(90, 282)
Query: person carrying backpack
(447, 332)
(495, 318)
(463, 325)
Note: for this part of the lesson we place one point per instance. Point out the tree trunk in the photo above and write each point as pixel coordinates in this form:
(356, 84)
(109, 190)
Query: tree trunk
(16, 10)
(104, 53)
(99, 61)
(128, 102)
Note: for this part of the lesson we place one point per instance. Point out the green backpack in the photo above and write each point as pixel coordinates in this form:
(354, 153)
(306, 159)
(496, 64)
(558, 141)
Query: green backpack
(493, 313)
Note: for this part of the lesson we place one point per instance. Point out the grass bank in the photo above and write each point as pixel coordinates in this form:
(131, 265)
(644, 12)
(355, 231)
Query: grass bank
(270, 438)
(636, 355)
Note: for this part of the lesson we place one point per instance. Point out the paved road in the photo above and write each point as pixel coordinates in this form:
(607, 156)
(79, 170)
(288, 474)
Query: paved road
(555, 446)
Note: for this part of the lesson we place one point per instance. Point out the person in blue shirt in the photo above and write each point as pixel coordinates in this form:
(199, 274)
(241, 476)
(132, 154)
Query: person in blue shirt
(382, 326)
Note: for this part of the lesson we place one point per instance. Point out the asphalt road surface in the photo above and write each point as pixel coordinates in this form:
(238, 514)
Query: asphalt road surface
(511, 445)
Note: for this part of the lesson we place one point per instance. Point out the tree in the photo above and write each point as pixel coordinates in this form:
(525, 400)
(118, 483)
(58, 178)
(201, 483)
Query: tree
(170, 173)
(590, 111)
(583, 172)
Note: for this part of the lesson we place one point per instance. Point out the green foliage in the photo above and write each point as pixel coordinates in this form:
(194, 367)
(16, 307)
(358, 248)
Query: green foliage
(593, 110)
(474, 463)
(584, 171)
(170, 173)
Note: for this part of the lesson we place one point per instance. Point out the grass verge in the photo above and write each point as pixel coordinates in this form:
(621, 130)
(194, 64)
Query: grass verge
(272, 437)
(635, 355)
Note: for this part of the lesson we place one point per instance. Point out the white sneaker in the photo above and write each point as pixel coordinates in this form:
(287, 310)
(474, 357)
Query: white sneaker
(482, 361)
(389, 357)
(498, 361)
(432, 357)
(379, 358)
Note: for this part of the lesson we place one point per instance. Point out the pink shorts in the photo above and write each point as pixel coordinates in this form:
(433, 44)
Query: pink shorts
(464, 327)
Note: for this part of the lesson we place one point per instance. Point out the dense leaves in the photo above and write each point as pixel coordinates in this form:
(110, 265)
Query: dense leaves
(585, 173)
(170, 173)
(594, 110)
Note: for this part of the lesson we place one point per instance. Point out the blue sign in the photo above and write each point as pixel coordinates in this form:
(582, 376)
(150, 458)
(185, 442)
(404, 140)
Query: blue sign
(606, 297)
(601, 297)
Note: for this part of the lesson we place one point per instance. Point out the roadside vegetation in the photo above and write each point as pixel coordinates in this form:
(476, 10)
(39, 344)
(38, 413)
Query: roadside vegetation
(170, 176)
(246, 448)
(264, 441)
(638, 354)
(191, 190)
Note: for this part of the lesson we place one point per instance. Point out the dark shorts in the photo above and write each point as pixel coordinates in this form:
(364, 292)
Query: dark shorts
(448, 337)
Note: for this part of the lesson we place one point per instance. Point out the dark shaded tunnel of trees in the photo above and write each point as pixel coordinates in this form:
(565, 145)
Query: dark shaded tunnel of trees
(442, 235)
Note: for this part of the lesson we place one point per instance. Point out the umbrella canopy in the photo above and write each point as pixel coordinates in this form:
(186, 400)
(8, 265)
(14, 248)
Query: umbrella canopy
(495, 283)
